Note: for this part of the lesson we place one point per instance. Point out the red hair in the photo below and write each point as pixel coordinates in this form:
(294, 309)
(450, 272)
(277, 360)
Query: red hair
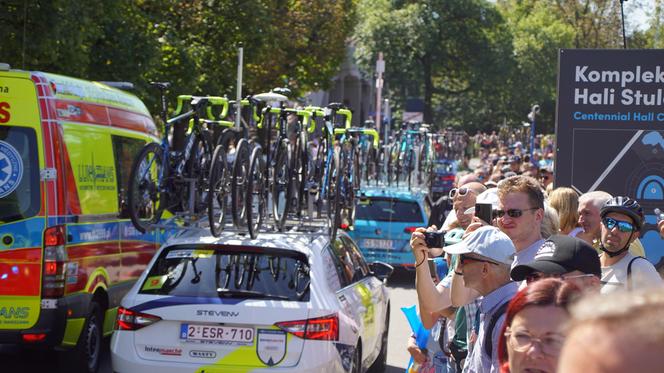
(545, 292)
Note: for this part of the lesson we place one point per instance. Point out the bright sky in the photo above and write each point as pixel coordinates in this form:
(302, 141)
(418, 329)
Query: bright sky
(638, 12)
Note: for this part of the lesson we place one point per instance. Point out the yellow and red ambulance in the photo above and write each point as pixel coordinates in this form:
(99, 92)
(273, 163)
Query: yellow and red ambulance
(68, 250)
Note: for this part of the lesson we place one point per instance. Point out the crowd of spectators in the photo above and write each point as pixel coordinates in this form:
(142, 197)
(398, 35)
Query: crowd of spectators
(546, 278)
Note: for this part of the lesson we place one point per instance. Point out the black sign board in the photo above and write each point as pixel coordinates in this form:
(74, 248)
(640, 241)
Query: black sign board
(610, 129)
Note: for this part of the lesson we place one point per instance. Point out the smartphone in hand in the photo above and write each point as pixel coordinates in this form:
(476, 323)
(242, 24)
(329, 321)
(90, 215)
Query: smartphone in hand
(484, 211)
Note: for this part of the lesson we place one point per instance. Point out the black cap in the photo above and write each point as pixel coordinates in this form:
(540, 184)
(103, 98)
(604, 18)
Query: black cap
(561, 254)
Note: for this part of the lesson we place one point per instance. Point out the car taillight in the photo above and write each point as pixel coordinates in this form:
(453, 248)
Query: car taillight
(324, 328)
(132, 320)
(409, 229)
(34, 337)
(55, 262)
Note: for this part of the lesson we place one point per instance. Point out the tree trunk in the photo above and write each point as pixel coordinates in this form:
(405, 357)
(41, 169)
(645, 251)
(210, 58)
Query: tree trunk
(428, 89)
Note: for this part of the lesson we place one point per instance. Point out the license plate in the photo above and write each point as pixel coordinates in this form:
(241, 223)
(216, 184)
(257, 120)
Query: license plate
(377, 244)
(215, 334)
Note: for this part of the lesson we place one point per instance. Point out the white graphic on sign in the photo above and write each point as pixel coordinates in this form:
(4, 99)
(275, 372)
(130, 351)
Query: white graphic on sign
(11, 169)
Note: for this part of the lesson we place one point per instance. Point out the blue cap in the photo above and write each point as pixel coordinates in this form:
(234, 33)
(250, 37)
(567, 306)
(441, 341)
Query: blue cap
(441, 267)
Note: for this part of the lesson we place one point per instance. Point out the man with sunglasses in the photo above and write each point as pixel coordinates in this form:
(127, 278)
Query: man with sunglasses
(590, 204)
(520, 214)
(622, 220)
(564, 257)
(485, 257)
(462, 198)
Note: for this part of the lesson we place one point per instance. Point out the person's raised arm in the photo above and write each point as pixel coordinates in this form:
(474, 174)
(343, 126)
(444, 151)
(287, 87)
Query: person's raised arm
(430, 298)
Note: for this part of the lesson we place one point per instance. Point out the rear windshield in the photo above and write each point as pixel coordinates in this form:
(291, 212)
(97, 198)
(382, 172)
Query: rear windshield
(444, 168)
(229, 272)
(388, 209)
(19, 174)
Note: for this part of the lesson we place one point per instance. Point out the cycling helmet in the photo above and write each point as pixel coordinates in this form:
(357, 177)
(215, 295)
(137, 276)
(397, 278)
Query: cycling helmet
(627, 206)
(454, 236)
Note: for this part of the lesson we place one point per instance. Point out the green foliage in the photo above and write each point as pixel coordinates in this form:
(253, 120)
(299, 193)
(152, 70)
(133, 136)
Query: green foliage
(449, 53)
(193, 44)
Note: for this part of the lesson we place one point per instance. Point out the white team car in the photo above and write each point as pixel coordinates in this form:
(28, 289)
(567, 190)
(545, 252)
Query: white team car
(287, 302)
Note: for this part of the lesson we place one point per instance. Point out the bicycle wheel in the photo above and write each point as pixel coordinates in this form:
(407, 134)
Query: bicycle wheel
(299, 176)
(319, 174)
(334, 194)
(410, 161)
(218, 192)
(398, 165)
(281, 185)
(198, 168)
(239, 183)
(337, 203)
(356, 171)
(256, 193)
(146, 182)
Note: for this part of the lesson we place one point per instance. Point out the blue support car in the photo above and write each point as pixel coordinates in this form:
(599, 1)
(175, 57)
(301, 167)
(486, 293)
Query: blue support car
(442, 177)
(384, 221)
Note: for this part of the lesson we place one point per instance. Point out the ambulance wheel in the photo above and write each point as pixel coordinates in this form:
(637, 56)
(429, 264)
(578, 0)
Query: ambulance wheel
(86, 355)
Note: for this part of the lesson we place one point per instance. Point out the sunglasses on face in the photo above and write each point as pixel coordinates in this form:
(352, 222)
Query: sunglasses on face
(464, 258)
(623, 226)
(458, 191)
(513, 213)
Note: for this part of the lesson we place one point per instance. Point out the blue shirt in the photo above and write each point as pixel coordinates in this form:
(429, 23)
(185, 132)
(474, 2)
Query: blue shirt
(479, 361)
(527, 255)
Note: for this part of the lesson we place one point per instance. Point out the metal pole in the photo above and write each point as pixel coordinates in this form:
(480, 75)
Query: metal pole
(238, 101)
(533, 113)
(622, 15)
(380, 68)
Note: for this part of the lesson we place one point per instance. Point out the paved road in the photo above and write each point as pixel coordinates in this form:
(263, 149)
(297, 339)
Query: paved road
(402, 293)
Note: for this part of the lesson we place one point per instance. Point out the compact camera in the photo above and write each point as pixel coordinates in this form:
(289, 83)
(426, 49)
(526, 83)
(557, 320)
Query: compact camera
(434, 239)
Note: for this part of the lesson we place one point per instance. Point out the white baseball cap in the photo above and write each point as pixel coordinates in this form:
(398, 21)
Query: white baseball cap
(487, 241)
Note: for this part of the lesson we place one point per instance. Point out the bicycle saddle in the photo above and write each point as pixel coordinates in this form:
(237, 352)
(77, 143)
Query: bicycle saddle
(161, 85)
(282, 91)
(270, 96)
(336, 106)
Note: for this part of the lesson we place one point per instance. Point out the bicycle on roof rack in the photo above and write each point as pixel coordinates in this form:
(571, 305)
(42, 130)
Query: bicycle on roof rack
(174, 178)
(269, 173)
(348, 177)
(230, 169)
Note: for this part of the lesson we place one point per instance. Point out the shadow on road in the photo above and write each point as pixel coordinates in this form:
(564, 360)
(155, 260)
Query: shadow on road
(402, 278)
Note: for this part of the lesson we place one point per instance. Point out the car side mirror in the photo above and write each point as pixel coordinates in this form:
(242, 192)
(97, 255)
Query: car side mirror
(381, 270)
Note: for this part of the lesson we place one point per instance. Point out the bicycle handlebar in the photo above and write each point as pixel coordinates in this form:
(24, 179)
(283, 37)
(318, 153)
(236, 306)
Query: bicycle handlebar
(209, 102)
(354, 130)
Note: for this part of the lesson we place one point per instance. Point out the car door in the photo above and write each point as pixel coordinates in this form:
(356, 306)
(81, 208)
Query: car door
(353, 295)
(372, 297)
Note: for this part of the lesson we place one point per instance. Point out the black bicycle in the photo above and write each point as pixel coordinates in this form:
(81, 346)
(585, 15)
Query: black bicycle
(174, 177)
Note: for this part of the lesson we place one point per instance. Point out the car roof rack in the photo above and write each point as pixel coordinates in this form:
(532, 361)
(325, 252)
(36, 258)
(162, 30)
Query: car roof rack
(309, 227)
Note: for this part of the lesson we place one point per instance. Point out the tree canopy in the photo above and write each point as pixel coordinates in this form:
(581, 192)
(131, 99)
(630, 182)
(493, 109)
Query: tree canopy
(474, 63)
(193, 44)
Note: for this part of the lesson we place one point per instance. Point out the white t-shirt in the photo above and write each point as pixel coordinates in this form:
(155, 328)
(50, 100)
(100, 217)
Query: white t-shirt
(643, 275)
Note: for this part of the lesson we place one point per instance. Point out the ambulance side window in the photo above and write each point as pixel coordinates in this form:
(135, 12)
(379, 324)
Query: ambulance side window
(125, 150)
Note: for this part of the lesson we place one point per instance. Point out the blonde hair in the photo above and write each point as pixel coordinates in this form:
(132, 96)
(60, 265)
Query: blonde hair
(550, 222)
(566, 202)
